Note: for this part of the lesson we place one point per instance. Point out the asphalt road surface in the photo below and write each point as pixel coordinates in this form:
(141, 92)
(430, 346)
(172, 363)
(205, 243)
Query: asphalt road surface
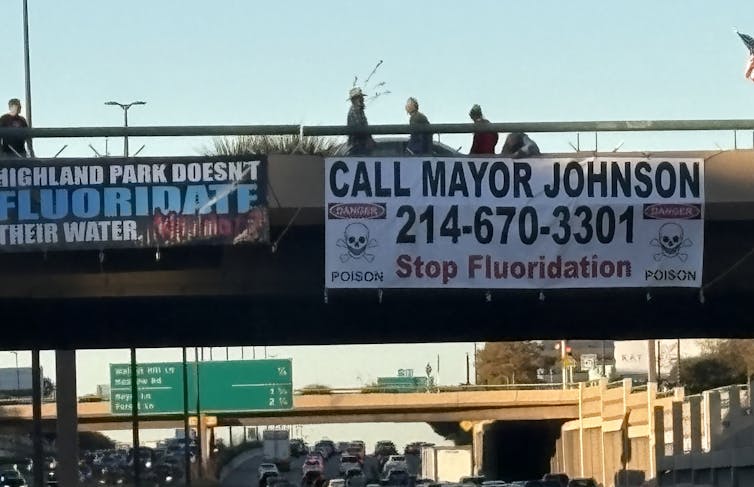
(246, 474)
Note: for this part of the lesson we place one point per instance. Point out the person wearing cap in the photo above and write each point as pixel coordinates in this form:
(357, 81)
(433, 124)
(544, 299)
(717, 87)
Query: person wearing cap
(484, 140)
(418, 143)
(13, 146)
(358, 144)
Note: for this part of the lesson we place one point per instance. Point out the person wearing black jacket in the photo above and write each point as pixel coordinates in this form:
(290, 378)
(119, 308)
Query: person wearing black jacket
(12, 146)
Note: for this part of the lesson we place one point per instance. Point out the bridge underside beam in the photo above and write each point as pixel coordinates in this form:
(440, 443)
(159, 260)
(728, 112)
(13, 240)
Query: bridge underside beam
(201, 296)
(498, 414)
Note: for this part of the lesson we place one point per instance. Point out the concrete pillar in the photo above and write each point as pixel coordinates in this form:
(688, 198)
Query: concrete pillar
(734, 403)
(695, 418)
(477, 442)
(67, 423)
(677, 415)
(202, 438)
(713, 421)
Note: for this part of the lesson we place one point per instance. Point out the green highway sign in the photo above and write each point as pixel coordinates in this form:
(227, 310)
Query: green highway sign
(160, 387)
(402, 383)
(246, 385)
(230, 386)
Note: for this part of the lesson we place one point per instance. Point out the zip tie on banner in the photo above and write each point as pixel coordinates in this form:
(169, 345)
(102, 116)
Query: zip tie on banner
(101, 256)
(702, 299)
(649, 297)
(541, 295)
(300, 138)
(325, 296)
(379, 295)
(488, 296)
(157, 255)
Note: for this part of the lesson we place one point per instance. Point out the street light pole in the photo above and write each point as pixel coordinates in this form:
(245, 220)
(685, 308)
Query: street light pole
(125, 107)
(27, 67)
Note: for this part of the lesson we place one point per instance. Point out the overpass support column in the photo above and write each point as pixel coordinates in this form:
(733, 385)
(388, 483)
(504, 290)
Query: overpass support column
(204, 446)
(67, 423)
(478, 444)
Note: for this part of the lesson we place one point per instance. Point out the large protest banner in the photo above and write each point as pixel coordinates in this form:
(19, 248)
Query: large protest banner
(520, 224)
(105, 203)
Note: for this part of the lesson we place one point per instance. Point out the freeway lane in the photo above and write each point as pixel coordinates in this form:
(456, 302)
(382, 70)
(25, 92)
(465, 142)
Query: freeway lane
(246, 474)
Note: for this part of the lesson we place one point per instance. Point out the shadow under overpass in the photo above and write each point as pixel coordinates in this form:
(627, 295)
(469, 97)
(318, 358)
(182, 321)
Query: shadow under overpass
(519, 450)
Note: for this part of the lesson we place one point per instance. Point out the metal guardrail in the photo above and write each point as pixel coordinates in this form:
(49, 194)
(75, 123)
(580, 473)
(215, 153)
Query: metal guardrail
(330, 130)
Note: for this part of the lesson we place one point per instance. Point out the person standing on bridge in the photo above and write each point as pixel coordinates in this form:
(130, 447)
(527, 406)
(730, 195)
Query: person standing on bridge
(13, 146)
(518, 144)
(358, 144)
(418, 143)
(484, 140)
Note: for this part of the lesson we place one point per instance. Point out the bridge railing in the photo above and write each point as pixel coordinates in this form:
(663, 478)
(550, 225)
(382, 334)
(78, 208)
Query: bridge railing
(433, 389)
(387, 129)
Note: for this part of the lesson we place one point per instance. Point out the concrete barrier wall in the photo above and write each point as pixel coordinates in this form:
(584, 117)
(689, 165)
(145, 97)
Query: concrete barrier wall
(706, 439)
(593, 445)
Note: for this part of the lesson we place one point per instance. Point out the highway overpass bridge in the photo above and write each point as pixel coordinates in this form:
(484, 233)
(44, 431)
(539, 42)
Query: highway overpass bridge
(509, 404)
(241, 295)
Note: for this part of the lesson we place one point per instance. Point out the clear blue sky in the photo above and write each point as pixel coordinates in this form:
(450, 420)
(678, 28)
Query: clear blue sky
(244, 62)
(227, 62)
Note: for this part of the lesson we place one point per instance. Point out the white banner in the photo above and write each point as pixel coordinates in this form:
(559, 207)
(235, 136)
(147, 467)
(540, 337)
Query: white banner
(524, 224)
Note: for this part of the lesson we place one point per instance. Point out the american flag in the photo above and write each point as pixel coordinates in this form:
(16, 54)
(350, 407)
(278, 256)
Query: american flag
(748, 41)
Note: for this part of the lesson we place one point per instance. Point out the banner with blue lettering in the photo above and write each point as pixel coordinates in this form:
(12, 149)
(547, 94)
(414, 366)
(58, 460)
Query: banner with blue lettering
(520, 224)
(59, 204)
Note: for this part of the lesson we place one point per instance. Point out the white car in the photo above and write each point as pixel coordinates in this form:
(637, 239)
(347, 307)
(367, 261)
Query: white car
(267, 468)
(336, 483)
(395, 462)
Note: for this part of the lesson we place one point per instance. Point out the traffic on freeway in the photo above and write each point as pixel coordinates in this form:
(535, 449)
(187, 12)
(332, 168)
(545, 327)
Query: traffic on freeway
(348, 464)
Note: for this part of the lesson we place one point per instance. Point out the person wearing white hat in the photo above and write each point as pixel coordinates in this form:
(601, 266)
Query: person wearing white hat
(358, 144)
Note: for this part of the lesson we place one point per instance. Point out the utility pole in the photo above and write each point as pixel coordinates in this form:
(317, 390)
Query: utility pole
(678, 360)
(563, 362)
(468, 370)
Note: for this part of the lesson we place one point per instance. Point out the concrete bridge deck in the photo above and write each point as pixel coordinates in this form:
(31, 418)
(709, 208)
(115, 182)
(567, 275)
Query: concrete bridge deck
(515, 404)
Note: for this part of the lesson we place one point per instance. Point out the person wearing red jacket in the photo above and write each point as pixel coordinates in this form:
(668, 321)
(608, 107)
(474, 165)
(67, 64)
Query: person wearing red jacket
(484, 140)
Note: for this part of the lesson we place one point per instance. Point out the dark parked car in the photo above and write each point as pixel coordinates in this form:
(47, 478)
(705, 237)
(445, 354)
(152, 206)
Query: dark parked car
(396, 477)
(476, 480)
(12, 478)
(397, 146)
(582, 483)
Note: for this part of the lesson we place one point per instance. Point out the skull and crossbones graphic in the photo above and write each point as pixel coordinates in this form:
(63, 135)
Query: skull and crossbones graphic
(671, 240)
(356, 241)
